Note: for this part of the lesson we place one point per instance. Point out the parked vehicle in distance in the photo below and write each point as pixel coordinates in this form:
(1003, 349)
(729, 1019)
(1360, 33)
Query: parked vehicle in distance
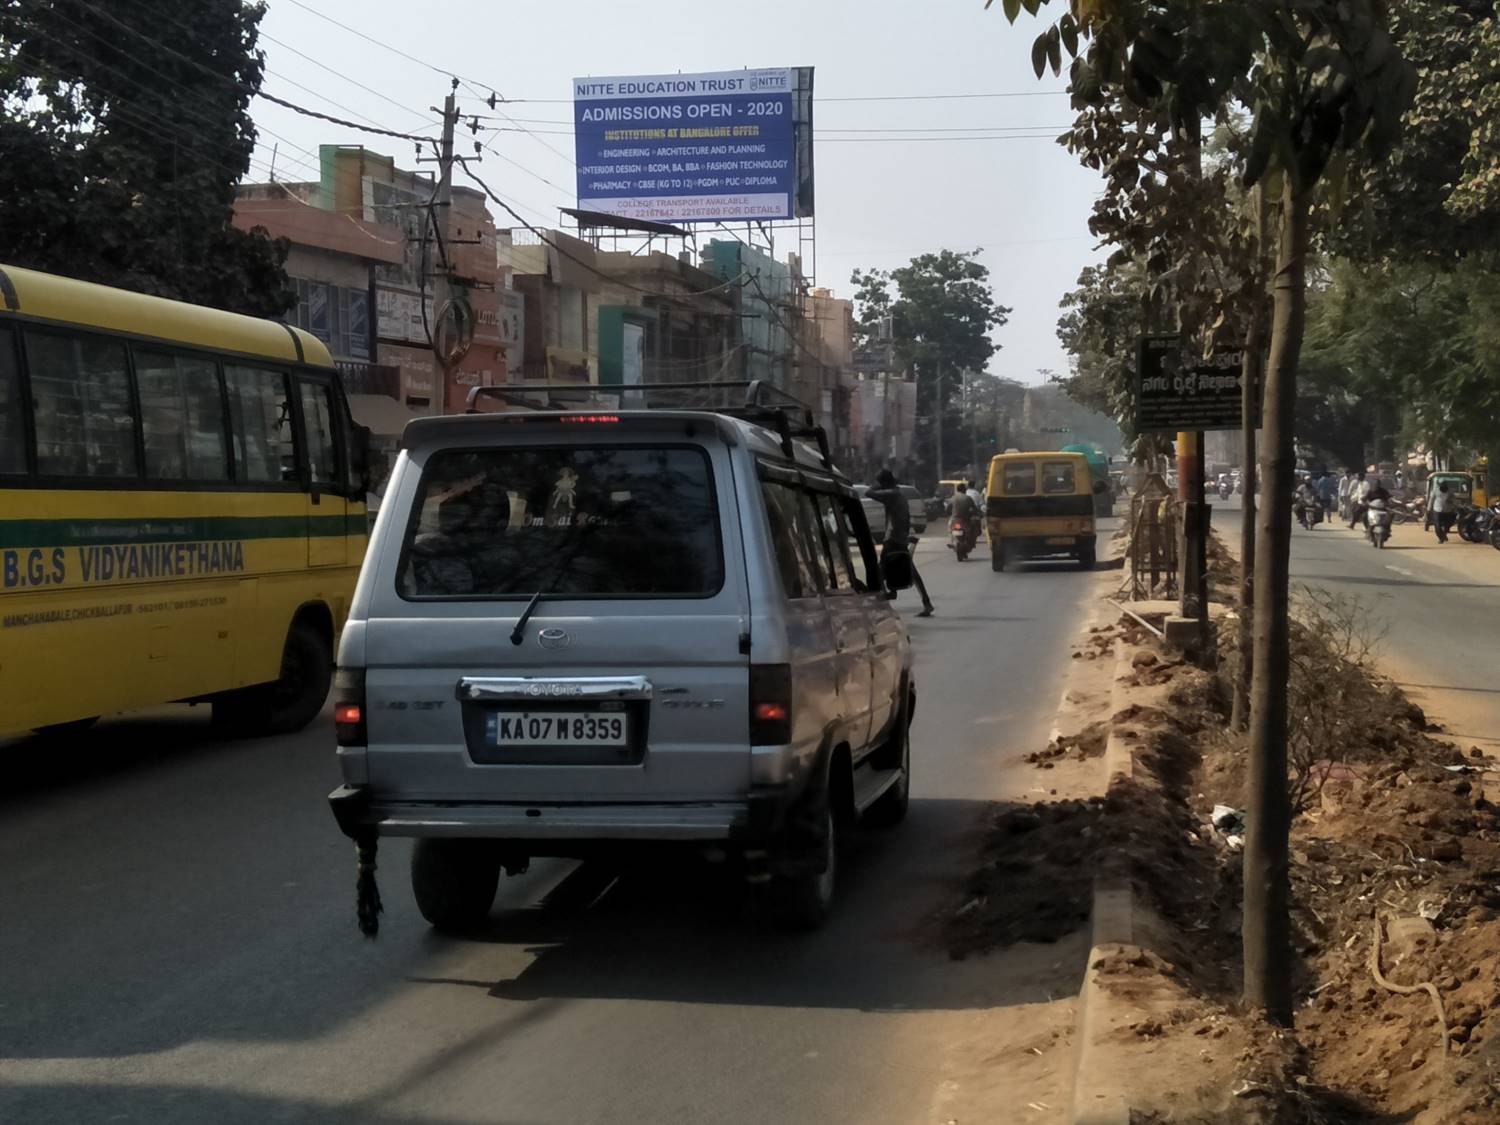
(600, 634)
(945, 490)
(916, 506)
(874, 511)
(1041, 505)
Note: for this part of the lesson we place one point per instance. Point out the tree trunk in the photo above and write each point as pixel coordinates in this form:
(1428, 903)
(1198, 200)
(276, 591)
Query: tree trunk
(1252, 372)
(1267, 926)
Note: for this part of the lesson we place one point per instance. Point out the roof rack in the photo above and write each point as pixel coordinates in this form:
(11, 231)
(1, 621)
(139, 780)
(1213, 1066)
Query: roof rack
(765, 404)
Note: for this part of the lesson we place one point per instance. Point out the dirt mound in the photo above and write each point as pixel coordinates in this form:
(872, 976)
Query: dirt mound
(1034, 881)
(1087, 743)
(1036, 871)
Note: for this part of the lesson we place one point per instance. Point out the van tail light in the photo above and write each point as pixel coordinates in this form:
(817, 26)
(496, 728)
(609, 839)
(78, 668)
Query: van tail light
(770, 704)
(349, 706)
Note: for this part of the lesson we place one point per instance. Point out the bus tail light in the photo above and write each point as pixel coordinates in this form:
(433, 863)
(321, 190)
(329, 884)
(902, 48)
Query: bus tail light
(349, 706)
(770, 704)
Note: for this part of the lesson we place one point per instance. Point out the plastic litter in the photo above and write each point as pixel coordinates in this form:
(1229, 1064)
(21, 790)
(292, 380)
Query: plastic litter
(1228, 820)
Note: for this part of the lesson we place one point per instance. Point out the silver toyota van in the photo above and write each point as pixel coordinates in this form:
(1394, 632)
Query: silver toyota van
(579, 632)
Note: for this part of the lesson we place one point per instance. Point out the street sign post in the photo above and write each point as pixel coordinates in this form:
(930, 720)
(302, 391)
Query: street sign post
(1177, 390)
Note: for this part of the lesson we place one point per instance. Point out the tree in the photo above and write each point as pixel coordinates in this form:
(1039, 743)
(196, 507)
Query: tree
(1402, 351)
(1323, 80)
(941, 311)
(1438, 196)
(126, 128)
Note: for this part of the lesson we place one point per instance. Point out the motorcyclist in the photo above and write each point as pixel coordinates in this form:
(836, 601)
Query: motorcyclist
(966, 511)
(1305, 505)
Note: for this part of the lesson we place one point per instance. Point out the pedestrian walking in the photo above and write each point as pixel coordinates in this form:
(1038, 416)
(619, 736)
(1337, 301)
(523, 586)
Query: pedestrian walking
(898, 528)
(1357, 496)
(1328, 495)
(1443, 511)
(1346, 487)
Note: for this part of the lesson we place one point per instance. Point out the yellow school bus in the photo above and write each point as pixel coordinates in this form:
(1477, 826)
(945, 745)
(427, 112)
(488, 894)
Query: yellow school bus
(182, 509)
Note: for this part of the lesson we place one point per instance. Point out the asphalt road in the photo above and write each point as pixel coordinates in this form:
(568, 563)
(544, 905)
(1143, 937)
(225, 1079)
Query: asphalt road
(177, 938)
(1434, 603)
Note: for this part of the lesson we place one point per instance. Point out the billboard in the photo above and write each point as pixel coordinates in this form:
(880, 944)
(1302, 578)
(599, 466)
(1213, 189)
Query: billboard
(682, 148)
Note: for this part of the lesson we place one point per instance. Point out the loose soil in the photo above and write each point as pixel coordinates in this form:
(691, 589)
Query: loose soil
(1396, 825)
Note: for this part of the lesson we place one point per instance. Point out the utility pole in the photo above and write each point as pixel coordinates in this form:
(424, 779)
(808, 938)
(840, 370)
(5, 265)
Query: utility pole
(442, 287)
(937, 414)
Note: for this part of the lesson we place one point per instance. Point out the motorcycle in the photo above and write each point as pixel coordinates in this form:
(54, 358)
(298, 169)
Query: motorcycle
(1225, 490)
(1378, 522)
(1309, 515)
(962, 538)
(1477, 525)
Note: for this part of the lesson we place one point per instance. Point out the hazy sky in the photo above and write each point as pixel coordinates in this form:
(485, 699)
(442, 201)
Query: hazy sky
(879, 202)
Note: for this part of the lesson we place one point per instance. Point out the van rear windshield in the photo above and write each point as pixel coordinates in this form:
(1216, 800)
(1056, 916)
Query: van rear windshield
(575, 522)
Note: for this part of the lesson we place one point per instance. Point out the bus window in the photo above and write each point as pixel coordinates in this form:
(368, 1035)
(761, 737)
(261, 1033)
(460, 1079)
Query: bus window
(182, 416)
(322, 446)
(85, 423)
(260, 420)
(12, 420)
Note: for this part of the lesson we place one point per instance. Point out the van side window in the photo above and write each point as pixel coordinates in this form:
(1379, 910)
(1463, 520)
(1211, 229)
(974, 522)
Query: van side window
(862, 551)
(791, 553)
(836, 541)
(182, 416)
(811, 537)
(85, 420)
(1020, 478)
(260, 422)
(1058, 478)
(12, 416)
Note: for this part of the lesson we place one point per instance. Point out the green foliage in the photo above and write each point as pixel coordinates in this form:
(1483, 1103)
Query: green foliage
(1438, 196)
(941, 309)
(1409, 351)
(125, 129)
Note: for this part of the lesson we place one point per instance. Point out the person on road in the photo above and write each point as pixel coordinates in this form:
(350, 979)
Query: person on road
(1346, 492)
(1305, 504)
(898, 535)
(1444, 508)
(967, 511)
(1358, 492)
(973, 494)
(1328, 495)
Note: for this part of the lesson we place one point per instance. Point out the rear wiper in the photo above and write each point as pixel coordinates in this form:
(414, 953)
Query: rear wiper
(518, 634)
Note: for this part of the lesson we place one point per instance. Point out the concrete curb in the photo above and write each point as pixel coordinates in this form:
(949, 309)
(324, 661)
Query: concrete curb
(1096, 1098)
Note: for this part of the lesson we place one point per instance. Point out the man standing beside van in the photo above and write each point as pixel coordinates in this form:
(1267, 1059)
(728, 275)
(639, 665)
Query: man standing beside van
(898, 527)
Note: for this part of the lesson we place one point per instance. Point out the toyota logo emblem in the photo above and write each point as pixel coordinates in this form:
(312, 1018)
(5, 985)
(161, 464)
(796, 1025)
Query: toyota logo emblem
(553, 638)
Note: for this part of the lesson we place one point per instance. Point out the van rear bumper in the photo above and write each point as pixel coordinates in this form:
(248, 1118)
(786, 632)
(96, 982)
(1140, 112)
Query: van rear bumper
(745, 821)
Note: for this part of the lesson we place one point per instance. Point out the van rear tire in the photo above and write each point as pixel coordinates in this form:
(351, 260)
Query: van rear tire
(997, 558)
(454, 882)
(803, 900)
(1087, 556)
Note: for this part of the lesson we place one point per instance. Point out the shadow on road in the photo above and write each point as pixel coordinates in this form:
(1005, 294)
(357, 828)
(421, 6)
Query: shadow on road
(38, 764)
(41, 1105)
(696, 935)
